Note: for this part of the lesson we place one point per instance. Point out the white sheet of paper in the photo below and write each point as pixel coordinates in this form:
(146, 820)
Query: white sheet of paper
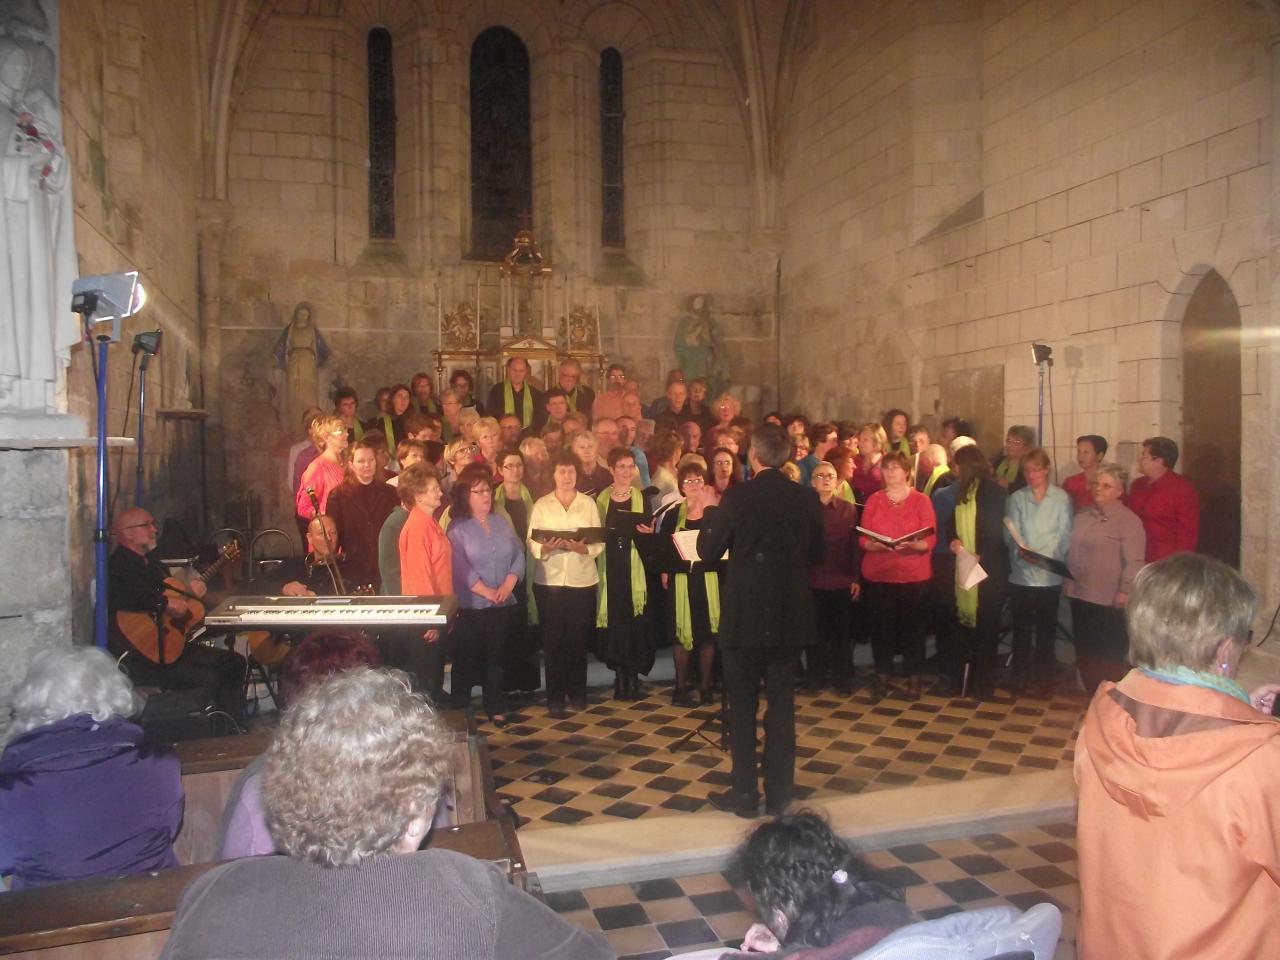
(687, 546)
(969, 572)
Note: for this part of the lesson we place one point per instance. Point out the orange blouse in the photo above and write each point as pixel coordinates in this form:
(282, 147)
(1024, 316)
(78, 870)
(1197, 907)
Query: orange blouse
(426, 557)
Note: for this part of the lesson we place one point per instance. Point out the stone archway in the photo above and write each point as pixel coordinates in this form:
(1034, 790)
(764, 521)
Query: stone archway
(1211, 413)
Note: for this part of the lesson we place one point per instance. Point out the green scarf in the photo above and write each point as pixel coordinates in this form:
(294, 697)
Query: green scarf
(684, 617)
(509, 402)
(902, 446)
(1007, 469)
(967, 533)
(573, 400)
(500, 503)
(845, 492)
(357, 429)
(431, 407)
(639, 587)
(1185, 676)
(938, 473)
(391, 434)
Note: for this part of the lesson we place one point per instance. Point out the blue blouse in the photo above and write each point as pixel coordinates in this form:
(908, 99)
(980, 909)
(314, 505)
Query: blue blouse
(485, 556)
(1045, 527)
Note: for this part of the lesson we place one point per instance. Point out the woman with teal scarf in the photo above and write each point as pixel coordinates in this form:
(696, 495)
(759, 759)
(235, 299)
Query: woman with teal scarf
(1178, 771)
(621, 638)
(693, 595)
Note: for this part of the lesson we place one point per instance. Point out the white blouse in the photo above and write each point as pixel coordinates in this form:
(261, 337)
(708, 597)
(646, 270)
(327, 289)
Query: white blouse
(564, 568)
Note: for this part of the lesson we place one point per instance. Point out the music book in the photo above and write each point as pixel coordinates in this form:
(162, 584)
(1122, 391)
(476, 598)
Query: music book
(686, 542)
(897, 541)
(627, 520)
(585, 534)
(1039, 559)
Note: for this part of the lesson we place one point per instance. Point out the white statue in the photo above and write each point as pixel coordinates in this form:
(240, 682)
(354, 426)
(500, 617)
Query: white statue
(37, 244)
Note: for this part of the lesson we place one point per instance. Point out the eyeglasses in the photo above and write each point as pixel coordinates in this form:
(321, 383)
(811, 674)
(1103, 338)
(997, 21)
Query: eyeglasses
(145, 523)
(337, 433)
(830, 477)
(694, 482)
(482, 491)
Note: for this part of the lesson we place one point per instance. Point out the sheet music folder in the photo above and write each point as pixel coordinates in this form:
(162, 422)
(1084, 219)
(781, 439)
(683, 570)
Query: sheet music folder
(1039, 559)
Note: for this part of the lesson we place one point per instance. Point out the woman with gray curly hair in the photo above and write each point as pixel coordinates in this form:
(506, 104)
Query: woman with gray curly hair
(351, 782)
(81, 794)
(1179, 771)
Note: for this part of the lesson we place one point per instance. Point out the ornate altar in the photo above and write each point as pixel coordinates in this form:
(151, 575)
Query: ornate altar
(536, 319)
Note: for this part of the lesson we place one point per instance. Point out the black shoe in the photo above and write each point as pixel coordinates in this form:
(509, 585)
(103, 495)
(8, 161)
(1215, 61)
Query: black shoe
(735, 803)
(945, 687)
(680, 698)
(705, 697)
(844, 688)
(579, 703)
(776, 809)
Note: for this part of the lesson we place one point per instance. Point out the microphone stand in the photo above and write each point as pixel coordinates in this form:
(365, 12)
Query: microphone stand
(142, 409)
(331, 558)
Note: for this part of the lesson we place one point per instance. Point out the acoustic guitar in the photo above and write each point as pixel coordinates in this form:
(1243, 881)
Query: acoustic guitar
(161, 637)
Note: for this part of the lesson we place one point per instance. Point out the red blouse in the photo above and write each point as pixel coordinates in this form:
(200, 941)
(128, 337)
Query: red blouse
(895, 520)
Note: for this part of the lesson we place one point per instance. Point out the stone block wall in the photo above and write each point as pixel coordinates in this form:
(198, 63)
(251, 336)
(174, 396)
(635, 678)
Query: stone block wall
(297, 193)
(1125, 152)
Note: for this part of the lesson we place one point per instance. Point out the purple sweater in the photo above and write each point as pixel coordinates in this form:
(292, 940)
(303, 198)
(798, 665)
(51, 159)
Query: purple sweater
(81, 798)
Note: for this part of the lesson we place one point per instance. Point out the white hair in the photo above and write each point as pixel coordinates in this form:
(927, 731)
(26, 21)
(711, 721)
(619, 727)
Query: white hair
(65, 681)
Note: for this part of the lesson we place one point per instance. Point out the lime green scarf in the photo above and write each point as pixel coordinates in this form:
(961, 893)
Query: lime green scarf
(1007, 469)
(391, 434)
(639, 588)
(938, 473)
(684, 617)
(845, 492)
(967, 533)
(431, 407)
(509, 402)
(573, 400)
(500, 504)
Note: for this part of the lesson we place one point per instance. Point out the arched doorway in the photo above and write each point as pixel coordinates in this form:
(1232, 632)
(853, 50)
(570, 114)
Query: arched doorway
(1211, 432)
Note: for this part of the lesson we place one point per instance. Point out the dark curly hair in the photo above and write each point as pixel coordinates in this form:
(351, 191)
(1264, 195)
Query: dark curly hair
(791, 864)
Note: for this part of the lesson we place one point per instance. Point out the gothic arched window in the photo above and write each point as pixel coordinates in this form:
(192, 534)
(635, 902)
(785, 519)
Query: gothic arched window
(382, 137)
(612, 225)
(501, 150)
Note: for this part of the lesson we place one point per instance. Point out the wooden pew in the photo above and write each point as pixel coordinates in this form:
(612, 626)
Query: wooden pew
(128, 918)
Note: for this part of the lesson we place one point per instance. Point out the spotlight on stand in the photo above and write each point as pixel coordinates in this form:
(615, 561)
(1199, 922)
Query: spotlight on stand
(102, 302)
(148, 343)
(1042, 356)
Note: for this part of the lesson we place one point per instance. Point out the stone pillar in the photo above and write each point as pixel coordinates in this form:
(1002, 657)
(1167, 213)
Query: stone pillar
(212, 217)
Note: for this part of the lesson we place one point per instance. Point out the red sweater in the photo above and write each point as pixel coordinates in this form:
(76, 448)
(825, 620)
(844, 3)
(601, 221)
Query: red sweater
(1170, 512)
(1077, 487)
(895, 520)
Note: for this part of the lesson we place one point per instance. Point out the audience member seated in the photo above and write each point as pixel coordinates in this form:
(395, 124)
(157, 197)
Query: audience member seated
(1179, 774)
(1105, 554)
(1090, 449)
(812, 891)
(350, 787)
(81, 794)
(316, 657)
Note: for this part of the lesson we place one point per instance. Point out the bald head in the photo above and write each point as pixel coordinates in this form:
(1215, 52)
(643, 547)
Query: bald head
(316, 541)
(135, 529)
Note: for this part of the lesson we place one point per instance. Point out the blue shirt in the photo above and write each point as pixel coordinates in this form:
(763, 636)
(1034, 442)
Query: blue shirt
(642, 465)
(1045, 527)
(484, 556)
(944, 508)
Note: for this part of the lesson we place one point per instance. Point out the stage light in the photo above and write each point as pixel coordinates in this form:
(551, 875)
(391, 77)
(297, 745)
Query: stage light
(148, 342)
(1041, 353)
(107, 298)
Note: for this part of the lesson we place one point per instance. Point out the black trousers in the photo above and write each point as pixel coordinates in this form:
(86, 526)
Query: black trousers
(744, 669)
(568, 617)
(478, 656)
(424, 662)
(1035, 618)
(980, 644)
(898, 612)
(942, 608)
(833, 653)
(1102, 643)
(219, 671)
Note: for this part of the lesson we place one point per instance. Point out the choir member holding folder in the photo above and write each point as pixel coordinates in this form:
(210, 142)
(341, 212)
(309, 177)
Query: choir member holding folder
(898, 536)
(564, 582)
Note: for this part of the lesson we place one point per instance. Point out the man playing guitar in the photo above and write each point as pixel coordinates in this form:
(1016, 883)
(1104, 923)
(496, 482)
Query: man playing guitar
(137, 583)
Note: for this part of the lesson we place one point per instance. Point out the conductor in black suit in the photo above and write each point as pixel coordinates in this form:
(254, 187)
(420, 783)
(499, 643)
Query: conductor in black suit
(772, 529)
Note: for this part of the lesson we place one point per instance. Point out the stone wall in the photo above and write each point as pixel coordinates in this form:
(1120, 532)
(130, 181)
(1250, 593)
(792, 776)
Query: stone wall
(297, 195)
(1125, 151)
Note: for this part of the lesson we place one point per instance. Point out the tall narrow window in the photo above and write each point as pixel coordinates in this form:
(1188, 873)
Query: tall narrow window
(501, 151)
(612, 226)
(382, 137)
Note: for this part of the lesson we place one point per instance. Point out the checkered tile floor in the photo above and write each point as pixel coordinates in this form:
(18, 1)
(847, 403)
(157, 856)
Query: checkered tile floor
(659, 918)
(623, 760)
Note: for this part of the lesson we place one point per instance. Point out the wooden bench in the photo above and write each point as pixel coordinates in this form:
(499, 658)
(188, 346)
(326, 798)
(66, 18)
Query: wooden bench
(128, 918)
